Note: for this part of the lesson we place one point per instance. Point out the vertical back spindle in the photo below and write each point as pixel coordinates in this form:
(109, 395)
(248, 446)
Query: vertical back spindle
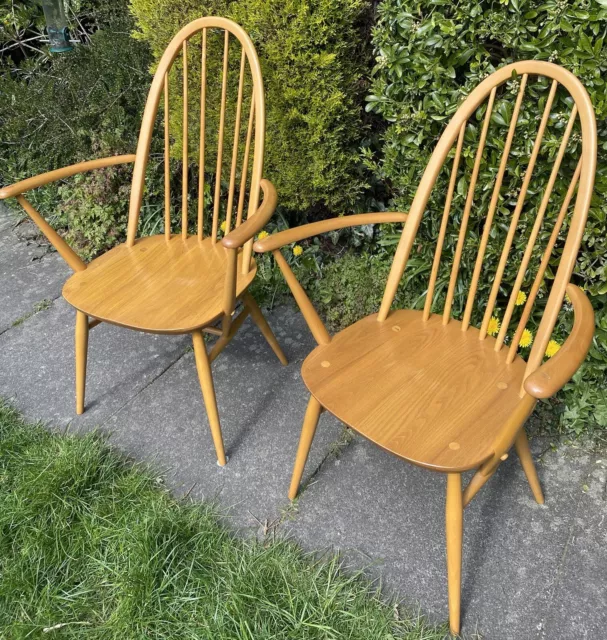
(444, 221)
(534, 232)
(224, 90)
(245, 163)
(167, 160)
(464, 224)
(235, 145)
(203, 102)
(494, 200)
(184, 181)
(513, 224)
(543, 264)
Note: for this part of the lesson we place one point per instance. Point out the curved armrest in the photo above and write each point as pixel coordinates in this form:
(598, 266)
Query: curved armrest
(59, 174)
(278, 240)
(253, 225)
(556, 372)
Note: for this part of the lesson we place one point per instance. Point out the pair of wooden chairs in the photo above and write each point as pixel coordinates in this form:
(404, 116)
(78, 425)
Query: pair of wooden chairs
(429, 388)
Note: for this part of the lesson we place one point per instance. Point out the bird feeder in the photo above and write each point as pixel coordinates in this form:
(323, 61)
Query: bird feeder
(56, 26)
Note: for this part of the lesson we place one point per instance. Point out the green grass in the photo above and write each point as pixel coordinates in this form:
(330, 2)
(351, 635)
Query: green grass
(91, 546)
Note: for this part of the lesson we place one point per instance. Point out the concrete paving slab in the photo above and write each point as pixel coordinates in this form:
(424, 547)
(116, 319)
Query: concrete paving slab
(389, 516)
(578, 602)
(29, 271)
(37, 366)
(261, 407)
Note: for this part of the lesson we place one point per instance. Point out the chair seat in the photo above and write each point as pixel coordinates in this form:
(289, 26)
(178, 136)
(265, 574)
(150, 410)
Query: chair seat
(156, 285)
(430, 393)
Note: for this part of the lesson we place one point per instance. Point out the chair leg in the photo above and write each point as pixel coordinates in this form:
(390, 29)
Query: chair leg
(82, 343)
(264, 327)
(521, 444)
(307, 435)
(203, 367)
(455, 524)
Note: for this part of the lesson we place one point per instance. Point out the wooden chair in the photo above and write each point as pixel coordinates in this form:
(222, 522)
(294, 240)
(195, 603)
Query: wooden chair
(179, 283)
(432, 389)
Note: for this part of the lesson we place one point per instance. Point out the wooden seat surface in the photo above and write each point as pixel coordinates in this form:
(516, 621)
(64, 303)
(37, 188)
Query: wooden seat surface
(156, 285)
(430, 393)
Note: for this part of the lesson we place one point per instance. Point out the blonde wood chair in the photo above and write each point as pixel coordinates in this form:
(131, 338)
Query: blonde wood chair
(433, 389)
(178, 283)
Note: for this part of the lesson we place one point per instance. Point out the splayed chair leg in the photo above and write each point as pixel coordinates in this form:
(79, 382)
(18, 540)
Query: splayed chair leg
(203, 366)
(82, 343)
(305, 441)
(454, 526)
(264, 327)
(521, 444)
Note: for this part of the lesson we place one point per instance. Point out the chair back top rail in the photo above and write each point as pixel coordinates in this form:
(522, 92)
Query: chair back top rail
(484, 96)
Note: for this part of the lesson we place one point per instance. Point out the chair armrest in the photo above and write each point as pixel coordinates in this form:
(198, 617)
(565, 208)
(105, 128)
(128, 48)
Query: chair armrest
(253, 225)
(278, 240)
(59, 174)
(556, 372)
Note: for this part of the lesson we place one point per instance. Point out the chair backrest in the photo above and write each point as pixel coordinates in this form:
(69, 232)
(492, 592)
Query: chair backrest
(189, 50)
(485, 97)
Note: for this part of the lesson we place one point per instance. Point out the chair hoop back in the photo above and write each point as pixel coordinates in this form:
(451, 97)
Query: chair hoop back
(583, 179)
(182, 43)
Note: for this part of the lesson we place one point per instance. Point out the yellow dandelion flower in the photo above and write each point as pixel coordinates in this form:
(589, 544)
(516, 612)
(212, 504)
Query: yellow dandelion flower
(567, 298)
(262, 235)
(521, 298)
(494, 326)
(297, 250)
(526, 339)
(552, 348)
(223, 226)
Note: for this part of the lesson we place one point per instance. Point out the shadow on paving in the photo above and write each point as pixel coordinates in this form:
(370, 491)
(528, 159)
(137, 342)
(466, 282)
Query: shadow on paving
(529, 571)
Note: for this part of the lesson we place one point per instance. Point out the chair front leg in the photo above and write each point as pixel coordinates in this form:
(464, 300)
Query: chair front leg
(455, 528)
(82, 342)
(307, 435)
(521, 444)
(264, 327)
(203, 366)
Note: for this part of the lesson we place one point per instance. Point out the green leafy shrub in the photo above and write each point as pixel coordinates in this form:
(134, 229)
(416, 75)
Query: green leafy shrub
(313, 56)
(429, 56)
(82, 105)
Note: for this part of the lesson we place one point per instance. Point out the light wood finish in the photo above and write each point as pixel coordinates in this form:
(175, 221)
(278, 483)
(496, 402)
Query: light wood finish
(522, 449)
(455, 530)
(81, 344)
(63, 249)
(264, 327)
(428, 388)
(552, 376)
(156, 286)
(431, 394)
(305, 441)
(203, 367)
(61, 174)
(172, 283)
(184, 134)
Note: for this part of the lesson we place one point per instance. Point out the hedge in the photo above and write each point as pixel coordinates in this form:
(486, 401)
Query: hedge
(429, 56)
(314, 58)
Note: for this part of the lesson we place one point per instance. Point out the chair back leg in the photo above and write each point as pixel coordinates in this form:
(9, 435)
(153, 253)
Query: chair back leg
(264, 327)
(521, 444)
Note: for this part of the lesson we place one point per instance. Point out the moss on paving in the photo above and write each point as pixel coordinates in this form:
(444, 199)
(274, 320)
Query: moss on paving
(91, 546)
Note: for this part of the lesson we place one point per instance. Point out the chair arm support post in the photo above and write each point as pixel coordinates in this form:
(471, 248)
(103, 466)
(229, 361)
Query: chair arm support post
(229, 296)
(60, 174)
(255, 223)
(278, 240)
(315, 324)
(552, 376)
(63, 249)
